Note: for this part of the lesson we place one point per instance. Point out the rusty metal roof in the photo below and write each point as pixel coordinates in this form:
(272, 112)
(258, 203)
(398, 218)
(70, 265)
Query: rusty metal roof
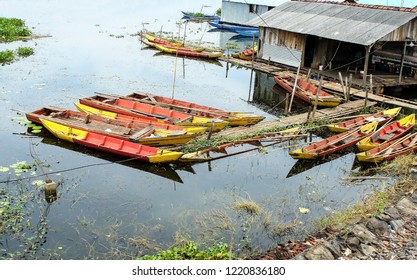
(348, 23)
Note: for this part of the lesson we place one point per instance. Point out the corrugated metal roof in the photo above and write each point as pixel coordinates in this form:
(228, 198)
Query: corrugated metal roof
(270, 3)
(347, 23)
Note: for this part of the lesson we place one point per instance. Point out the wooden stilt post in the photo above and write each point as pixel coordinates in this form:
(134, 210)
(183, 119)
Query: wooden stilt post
(350, 85)
(342, 84)
(371, 84)
(317, 95)
(287, 102)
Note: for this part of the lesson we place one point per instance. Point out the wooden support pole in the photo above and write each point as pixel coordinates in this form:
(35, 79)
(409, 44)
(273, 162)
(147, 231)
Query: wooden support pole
(350, 85)
(342, 84)
(317, 95)
(365, 66)
(287, 102)
(371, 85)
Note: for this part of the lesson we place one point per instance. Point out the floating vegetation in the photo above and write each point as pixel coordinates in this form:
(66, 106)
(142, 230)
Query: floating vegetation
(4, 169)
(6, 57)
(25, 51)
(21, 166)
(191, 251)
(249, 207)
(34, 128)
(12, 29)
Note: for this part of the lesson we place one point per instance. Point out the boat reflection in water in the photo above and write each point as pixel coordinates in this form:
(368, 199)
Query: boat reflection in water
(162, 170)
(301, 166)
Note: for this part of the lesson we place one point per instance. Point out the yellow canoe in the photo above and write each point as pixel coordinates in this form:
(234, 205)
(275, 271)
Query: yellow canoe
(387, 133)
(112, 115)
(381, 117)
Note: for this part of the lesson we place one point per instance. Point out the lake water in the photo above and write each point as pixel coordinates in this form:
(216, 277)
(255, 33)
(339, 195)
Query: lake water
(108, 210)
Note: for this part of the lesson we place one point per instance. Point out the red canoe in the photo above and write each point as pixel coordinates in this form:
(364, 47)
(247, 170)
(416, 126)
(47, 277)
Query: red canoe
(307, 91)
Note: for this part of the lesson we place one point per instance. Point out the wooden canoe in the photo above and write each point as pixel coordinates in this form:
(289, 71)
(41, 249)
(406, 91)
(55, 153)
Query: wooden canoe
(335, 143)
(123, 129)
(247, 54)
(153, 45)
(110, 144)
(181, 52)
(138, 119)
(135, 109)
(234, 118)
(155, 40)
(381, 117)
(307, 92)
(389, 132)
(390, 150)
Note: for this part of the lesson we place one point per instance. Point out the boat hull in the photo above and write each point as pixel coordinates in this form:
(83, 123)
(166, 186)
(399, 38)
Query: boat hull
(135, 109)
(381, 117)
(233, 118)
(308, 92)
(110, 144)
(334, 143)
(185, 52)
(387, 133)
(390, 150)
(122, 129)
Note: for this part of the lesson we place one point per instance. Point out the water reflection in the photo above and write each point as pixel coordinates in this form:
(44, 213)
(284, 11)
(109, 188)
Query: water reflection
(163, 170)
(274, 98)
(301, 166)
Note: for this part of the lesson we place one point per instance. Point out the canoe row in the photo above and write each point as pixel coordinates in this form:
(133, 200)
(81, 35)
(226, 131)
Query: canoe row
(234, 118)
(390, 150)
(136, 109)
(388, 132)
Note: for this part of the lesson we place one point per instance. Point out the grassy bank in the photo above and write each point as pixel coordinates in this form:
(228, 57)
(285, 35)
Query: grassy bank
(404, 185)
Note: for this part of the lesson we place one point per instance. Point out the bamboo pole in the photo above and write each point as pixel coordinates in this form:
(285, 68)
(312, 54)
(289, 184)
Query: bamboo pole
(251, 73)
(294, 88)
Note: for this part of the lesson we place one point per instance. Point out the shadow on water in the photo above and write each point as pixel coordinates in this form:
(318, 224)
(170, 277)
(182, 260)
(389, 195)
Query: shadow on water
(301, 165)
(162, 170)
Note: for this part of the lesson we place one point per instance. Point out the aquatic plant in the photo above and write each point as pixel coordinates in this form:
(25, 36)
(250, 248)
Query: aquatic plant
(6, 57)
(25, 51)
(12, 29)
(191, 251)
